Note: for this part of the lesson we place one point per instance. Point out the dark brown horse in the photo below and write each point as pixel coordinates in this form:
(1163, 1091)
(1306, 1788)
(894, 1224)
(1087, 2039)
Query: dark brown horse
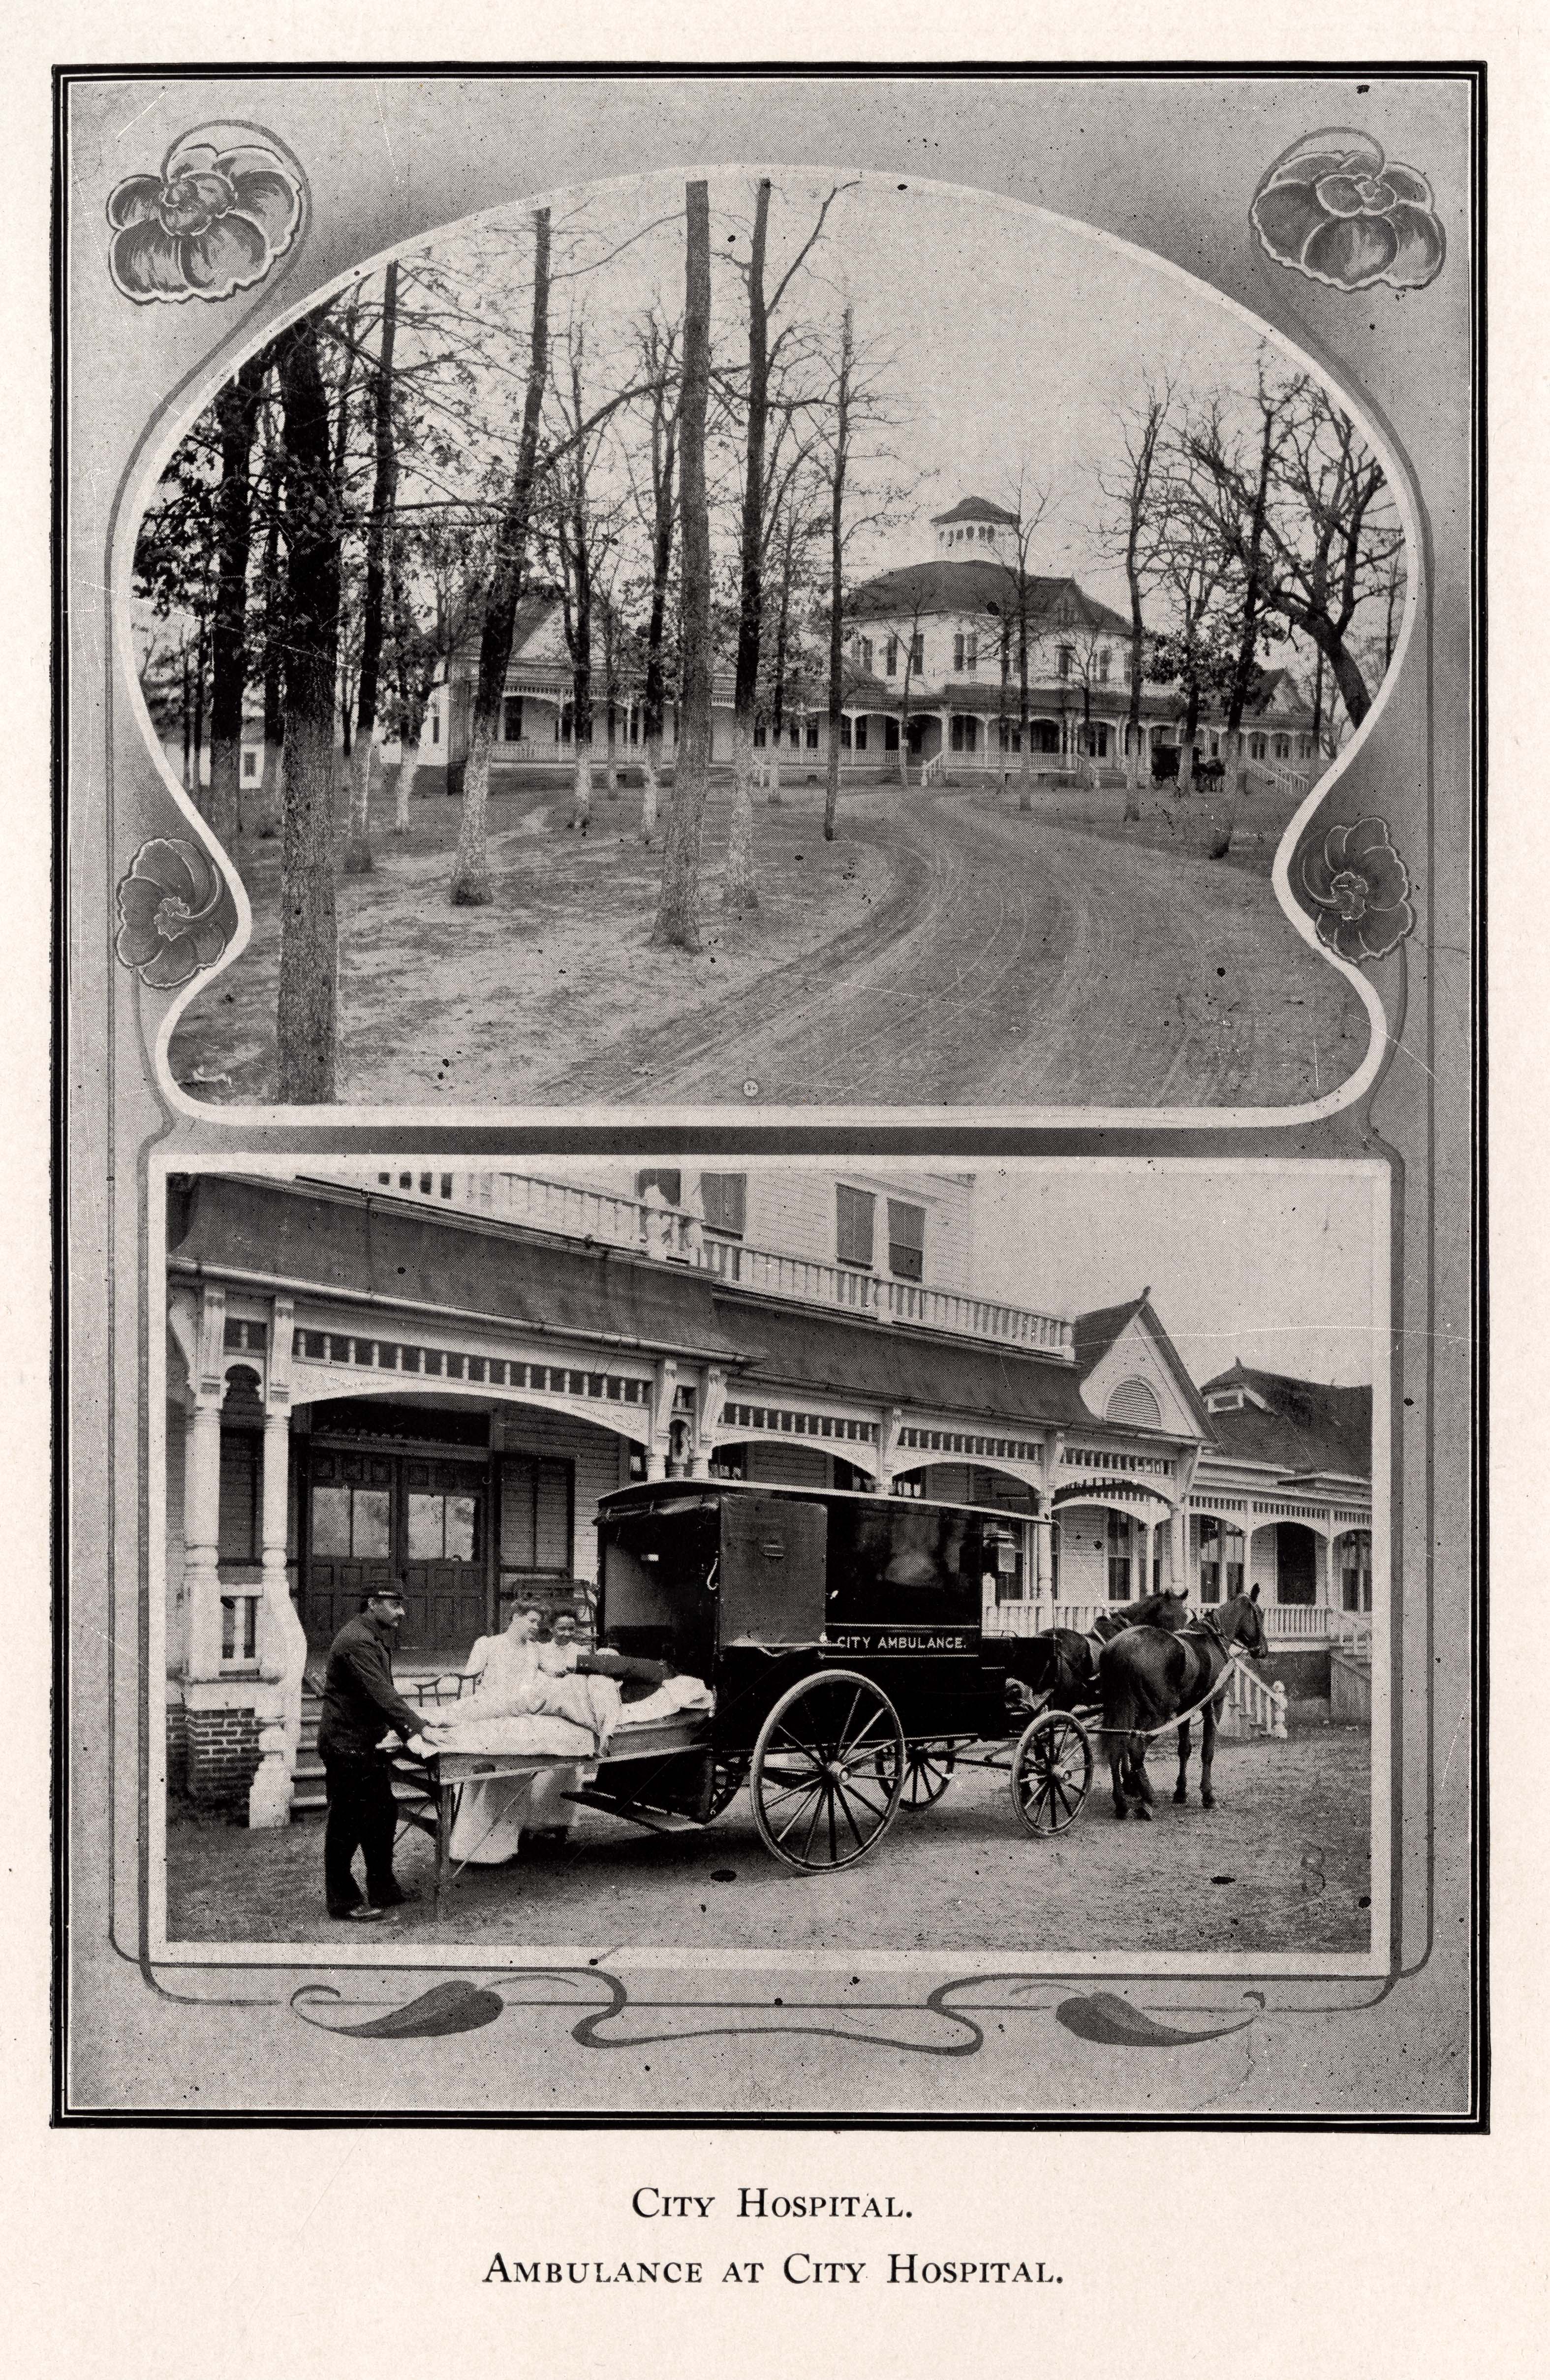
(1069, 1673)
(1147, 1676)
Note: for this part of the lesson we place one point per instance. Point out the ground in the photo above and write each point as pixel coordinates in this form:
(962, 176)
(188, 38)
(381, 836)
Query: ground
(1281, 1863)
(947, 948)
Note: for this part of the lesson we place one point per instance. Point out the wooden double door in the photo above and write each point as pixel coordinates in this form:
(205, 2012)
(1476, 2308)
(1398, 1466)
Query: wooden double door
(371, 1515)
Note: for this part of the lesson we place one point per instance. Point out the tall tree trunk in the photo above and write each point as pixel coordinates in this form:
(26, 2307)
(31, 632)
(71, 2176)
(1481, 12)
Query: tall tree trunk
(581, 657)
(307, 1015)
(904, 717)
(470, 879)
(1242, 672)
(1025, 771)
(1186, 750)
(837, 572)
(739, 890)
(782, 640)
(190, 784)
(273, 656)
(358, 841)
(677, 920)
(237, 415)
(202, 791)
(1001, 717)
(411, 698)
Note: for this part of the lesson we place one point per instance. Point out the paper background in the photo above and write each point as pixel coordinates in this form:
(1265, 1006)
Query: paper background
(291, 2250)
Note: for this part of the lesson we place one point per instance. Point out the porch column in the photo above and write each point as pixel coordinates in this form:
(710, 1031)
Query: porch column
(201, 1534)
(282, 1645)
(1178, 1549)
(1148, 1528)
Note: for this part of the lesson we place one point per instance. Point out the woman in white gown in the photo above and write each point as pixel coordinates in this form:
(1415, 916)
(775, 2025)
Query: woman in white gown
(491, 1817)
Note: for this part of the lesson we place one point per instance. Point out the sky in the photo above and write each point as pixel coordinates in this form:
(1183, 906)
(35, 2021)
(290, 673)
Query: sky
(1272, 1263)
(1013, 338)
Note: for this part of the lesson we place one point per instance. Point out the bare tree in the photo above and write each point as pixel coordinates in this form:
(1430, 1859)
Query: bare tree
(471, 885)
(1135, 490)
(1303, 511)
(358, 841)
(236, 414)
(677, 922)
(308, 1014)
(660, 359)
(1030, 504)
(759, 501)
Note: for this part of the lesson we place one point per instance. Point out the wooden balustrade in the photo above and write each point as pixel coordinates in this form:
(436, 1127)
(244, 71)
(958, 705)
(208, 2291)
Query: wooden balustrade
(239, 1627)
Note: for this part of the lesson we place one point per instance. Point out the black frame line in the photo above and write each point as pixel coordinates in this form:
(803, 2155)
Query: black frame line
(881, 1142)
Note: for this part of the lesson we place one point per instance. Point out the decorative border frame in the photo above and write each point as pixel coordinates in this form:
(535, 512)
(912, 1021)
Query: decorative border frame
(944, 2005)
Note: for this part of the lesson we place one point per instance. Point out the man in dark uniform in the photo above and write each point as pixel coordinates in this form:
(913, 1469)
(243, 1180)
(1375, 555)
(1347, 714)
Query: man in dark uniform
(360, 1703)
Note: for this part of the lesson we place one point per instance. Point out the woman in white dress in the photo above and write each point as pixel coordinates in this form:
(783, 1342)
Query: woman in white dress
(491, 1817)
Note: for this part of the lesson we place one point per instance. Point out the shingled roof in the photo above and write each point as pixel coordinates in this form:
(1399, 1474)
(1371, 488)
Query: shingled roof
(974, 508)
(976, 586)
(1300, 1426)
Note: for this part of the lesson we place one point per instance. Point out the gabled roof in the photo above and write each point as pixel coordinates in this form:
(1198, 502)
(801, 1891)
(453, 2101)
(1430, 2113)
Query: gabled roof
(975, 585)
(1299, 1425)
(974, 508)
(1094, 1333)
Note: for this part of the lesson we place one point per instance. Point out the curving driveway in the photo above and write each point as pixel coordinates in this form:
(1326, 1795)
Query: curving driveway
(1016, 962)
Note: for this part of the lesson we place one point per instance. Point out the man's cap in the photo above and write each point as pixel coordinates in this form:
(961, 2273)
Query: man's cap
(391, 1593)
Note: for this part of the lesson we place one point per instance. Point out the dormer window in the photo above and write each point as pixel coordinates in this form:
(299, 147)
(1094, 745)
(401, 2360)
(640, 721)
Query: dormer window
(1225, 1401)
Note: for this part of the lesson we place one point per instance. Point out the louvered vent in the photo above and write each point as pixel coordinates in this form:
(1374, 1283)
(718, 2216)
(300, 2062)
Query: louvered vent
(1133, 1401)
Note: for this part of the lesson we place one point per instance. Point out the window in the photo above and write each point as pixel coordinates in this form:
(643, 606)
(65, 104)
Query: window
(511, 718)
(812, 735)
(795, 736)
(1125, 665)
(726, 1198)
(906, 1241)
(1119, 1557)
(250, 764)
(918, 650)
(891, 660)
(1134, 1401)
(758, 734)
(866, 655)
(890, 736)
(1103, 665)
(861, 735)
(351, 1520)
(845, 731)
(958, 650)
(970, 651)
(435, 727)
(1068, 657)
(855, 1209)
(665, 1178)
(443, 1528)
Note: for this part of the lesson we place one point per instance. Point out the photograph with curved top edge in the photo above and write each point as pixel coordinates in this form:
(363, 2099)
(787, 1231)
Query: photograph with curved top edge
(629, 661)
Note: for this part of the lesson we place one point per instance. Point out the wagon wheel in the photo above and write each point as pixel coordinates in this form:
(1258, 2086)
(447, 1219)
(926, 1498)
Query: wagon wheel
(827, 1772)
(927, 1774)
(1051, 1771)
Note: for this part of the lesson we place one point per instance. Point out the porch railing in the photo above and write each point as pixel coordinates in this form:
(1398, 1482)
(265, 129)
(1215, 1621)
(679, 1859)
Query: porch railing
(1261, 1707)
(1285, 1623)
(679, 1236)
(239, 1627)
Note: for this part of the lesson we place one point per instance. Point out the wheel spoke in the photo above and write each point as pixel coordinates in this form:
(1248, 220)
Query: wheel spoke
(797, 1816)
(833, 1838)
(847, 1746)
(850, 1822)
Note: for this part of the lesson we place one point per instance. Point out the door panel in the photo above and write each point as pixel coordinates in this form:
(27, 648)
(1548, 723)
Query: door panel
(372, 1516)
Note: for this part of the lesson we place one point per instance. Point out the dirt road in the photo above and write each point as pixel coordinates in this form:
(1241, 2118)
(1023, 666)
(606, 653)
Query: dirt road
(1281, 1863)
(1020, 962)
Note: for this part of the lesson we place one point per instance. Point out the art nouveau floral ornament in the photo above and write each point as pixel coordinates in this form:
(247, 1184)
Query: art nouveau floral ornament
(168, 912)
(1360, 888)
(1335, 208)
(212, 222)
